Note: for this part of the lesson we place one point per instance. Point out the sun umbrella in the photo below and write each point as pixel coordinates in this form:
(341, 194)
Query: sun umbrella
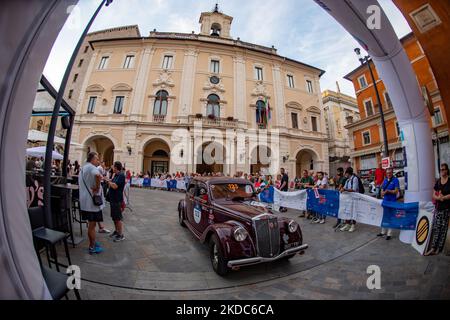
(40, 152)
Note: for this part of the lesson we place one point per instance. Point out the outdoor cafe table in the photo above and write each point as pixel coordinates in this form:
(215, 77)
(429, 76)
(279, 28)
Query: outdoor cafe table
(62, 199)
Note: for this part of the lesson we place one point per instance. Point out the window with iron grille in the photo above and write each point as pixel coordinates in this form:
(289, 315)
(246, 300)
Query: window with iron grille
(259, 73)
(290, 81)
(294, 118)
(118, 104)
(309, 86)
(91, 104)
(167, 62)
(160, 106)
(129, 62)
(103, 63)
(215, 66)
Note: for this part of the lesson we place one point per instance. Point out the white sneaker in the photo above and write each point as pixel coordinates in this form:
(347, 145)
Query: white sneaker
(104, 230)
(352, 228)
(346, 227)
(315, 220)
(322, 221)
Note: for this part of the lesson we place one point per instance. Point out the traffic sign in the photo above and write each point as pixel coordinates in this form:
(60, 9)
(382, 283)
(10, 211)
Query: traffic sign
(386, 163)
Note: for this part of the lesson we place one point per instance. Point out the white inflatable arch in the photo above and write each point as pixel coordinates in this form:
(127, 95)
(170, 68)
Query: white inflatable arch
(33, 27)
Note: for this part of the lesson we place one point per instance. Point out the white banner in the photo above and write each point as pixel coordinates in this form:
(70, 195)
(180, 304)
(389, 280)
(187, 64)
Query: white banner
(157, 183)
(346, 206)
(367, 210)
(294, 200)
(181, 185)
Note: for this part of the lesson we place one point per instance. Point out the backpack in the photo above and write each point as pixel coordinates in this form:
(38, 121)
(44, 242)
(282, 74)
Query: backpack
(361, 188)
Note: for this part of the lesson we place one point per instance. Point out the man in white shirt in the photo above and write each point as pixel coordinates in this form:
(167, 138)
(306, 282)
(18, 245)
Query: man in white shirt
(322, 183)
(351, 185)
(89, 184)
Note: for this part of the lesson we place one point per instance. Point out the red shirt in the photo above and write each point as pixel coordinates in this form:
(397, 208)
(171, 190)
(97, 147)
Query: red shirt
(379, 176)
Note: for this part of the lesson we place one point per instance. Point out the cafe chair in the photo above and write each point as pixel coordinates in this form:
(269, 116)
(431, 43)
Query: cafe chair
(76, 209)
(48, 238)
(57, 284)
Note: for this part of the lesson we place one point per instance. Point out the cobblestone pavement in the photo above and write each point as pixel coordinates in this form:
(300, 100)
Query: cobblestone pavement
(161, 260)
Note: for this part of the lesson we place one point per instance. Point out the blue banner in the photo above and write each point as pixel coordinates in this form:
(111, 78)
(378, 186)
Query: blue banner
(171, 184)
(324, 202)
(398, 215)
(146, 182)
(266, 195)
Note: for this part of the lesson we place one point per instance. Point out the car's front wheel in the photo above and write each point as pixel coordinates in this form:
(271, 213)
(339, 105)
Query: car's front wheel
(218, 261)
(180, 216)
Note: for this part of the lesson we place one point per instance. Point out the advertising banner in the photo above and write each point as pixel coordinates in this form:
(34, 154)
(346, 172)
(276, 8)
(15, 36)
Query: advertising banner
(326, 203)
(401, 216)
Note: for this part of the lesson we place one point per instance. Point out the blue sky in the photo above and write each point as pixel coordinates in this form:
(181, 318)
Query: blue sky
(299, 29)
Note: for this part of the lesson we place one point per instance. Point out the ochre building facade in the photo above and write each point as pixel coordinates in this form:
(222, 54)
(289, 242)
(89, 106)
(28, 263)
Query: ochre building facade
(160, 103)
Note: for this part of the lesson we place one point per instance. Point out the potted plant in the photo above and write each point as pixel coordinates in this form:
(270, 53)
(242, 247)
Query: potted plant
(199, 116)
(211, 116)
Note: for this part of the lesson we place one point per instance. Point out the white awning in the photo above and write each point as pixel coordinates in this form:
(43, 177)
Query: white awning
(36, 135)
(40, 152)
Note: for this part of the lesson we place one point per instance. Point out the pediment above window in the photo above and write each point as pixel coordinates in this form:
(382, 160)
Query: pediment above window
(294, 105)
(164, 80)
(121, 87)
(95, 88)
(314, 110)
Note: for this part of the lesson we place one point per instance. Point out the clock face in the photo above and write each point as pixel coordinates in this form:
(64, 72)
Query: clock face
(214, 80)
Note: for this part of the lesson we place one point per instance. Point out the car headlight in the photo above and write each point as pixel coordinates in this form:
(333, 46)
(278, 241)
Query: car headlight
(240, 234)
(293, 226)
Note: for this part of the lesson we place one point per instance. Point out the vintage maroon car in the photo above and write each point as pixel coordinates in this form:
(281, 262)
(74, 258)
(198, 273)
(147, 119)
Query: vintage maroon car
(240, 230)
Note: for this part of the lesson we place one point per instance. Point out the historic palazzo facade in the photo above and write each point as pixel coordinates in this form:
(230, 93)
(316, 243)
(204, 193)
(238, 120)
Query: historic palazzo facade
(158, 103)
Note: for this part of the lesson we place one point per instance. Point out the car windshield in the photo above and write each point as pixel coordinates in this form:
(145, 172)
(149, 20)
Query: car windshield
(232, 191)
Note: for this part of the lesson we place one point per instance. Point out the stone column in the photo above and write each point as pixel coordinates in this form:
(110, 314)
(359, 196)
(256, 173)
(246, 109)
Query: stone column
(187, 84)
(141, 83)
(240, 110)
(79, 106)
(279, 97)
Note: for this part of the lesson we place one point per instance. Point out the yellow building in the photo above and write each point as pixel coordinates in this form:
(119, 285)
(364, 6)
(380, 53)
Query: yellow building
(339, 110)
(142, 101)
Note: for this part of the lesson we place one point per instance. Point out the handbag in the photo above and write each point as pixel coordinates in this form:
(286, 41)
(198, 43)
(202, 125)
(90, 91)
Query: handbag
(97, 199)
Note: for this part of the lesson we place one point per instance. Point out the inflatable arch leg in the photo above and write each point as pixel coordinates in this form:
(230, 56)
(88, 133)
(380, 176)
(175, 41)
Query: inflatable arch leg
(398, 76)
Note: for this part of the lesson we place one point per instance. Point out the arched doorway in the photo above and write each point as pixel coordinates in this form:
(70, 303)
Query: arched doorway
(156, 157)
(260, 160)
(210, 158)
(103, 146)
(305, 160)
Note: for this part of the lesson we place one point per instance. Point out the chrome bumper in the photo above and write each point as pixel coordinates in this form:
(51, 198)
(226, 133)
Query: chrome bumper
(256, 260)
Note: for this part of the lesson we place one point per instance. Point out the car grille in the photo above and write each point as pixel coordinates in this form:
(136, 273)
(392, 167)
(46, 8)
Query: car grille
(267, 236)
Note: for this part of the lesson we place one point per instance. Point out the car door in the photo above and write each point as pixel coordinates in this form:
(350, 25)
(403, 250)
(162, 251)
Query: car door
(201, 205)
(190, 194)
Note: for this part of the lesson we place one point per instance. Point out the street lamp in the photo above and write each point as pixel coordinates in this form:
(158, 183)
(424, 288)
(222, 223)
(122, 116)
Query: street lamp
(367, 59)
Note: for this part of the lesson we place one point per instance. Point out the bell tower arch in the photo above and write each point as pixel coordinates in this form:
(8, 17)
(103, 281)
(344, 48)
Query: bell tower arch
(215, 24)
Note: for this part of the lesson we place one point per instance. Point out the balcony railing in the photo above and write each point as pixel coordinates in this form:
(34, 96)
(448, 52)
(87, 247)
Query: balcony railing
(214, 121)
(159, 118)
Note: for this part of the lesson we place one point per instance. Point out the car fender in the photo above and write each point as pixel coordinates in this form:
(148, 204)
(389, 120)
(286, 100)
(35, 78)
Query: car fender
(181, 206)
(231, 248)
(297, 236)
